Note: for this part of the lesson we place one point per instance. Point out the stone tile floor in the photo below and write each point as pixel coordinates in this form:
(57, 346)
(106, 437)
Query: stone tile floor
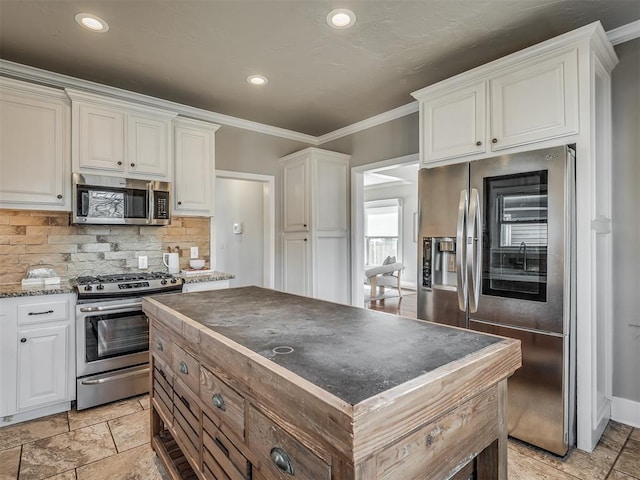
(112, 442)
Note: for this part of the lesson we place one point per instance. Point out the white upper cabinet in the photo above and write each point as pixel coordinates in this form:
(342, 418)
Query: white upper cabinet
(34, 137)
(118, 138)
(511, 102)
(195, 166)
(295, 178)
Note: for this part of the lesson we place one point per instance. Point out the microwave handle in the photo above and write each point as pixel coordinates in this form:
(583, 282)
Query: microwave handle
(152, 201)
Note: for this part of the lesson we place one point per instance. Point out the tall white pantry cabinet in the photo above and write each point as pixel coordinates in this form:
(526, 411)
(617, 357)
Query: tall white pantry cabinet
(314, 219)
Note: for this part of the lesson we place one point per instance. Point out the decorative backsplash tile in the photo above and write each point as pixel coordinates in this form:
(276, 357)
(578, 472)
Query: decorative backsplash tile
(29, 237)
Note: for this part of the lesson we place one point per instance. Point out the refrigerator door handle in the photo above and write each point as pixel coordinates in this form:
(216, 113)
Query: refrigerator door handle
(461, 272)
(474, 236)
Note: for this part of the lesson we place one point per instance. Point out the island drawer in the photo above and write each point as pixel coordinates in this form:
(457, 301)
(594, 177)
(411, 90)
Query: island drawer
(186, 368)
(163, 392)
(159, 344)
(280, 452)
(226, 405)
(186, 417)
(219, 453)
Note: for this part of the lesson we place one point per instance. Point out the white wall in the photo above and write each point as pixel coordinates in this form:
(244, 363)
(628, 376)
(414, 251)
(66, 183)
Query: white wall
(240, 201)
(409, 196)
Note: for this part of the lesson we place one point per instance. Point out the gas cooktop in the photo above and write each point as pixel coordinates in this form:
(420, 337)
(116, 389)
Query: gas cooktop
(126, 284)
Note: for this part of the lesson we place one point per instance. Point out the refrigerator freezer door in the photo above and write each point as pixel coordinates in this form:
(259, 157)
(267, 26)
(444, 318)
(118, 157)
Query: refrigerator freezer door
(525, 220)
(537, 409)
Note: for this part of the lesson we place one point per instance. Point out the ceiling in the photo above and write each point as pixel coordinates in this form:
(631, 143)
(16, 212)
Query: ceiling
(200, 52)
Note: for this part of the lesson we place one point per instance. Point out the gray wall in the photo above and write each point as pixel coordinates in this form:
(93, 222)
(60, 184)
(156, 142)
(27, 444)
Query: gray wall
(626, 222)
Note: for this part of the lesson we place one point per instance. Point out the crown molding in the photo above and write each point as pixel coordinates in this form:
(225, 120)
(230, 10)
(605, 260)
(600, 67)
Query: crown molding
(52, 79)
(625, 33)
(379, 119)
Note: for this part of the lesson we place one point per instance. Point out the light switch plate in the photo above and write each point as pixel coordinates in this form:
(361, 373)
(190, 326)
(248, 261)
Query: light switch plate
(194, 252)
(237, 228)
(143, 262)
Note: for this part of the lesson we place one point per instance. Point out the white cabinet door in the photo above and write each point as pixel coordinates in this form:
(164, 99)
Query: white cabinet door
(296, 195)
(148, 145)
(330, 185)
(454, 124)
(194, 167)
(101, 138)
(34, 147)
(296, 263)
(536, 102)
(42, 365)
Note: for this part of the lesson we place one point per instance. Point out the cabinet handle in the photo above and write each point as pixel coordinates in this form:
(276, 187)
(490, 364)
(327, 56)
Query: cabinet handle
(183, 368)
(119, 163)
(478, 143)
(495, 140)
(59, 197)
(23, 340)
(179, 203)
(218, 402)
(40, 313)
(133, 164)
(281, 460)
(159, 346)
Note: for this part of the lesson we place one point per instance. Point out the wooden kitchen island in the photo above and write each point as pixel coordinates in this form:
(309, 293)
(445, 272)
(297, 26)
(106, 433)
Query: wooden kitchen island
(251, 383)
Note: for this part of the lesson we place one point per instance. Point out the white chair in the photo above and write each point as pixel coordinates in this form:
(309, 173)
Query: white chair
(385, 275)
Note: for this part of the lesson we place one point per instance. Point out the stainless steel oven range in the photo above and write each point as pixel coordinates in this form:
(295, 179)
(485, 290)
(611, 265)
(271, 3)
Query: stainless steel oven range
(112, 335)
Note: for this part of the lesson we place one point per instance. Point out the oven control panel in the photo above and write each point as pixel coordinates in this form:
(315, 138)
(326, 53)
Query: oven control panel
(125, 286)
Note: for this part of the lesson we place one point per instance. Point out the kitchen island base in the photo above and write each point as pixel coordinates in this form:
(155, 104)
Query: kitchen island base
(224, 411)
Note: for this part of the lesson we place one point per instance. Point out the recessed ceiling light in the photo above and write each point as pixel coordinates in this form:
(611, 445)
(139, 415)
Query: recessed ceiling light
(257, 80)
(341, 18)
(92, 22)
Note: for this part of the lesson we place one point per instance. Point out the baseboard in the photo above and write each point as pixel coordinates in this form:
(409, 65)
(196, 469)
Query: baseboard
(625, 411)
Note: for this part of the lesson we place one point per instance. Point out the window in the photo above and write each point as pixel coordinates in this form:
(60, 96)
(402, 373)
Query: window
(382, 230)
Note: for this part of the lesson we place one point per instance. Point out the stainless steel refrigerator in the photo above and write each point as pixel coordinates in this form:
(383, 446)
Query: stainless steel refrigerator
(494, 255)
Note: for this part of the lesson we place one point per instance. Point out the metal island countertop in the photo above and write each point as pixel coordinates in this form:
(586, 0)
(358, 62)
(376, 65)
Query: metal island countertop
(351, 352)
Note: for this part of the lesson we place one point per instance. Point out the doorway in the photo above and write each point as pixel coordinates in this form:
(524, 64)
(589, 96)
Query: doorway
(393, 181)
(245, 227)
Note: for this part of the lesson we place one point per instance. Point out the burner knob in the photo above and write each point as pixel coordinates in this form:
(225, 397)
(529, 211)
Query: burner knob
(173, 280)
(100, 287)
(88, 288)
(163, 281)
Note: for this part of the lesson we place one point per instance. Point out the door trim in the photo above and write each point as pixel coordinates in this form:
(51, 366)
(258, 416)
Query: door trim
(269, 219)
(357, 221)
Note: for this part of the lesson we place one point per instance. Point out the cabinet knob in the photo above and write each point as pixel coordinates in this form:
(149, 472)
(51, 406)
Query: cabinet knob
(179, 203)
(281, 460)
(23, 340)
(218, 402)
(304, 225)
(119, 163)
(495, 140)
(133, 164)
(183, 368)
(59, 197)
(305, 239)
(478, 143)
(159, 345)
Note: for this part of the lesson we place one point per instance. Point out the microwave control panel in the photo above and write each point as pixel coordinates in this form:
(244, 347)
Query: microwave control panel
(161, 200)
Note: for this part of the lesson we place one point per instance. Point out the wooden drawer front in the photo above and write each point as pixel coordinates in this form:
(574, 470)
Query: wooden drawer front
(470, 428)
(186, 368)
(163, 393)
(186, 418)
(160, 345)
(43, 312)
(227, 406)
(220, 453)
(272, 444)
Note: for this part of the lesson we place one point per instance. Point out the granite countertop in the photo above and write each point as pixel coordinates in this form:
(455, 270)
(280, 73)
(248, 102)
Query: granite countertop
(351, 352)
(206, 277)
(11, 290)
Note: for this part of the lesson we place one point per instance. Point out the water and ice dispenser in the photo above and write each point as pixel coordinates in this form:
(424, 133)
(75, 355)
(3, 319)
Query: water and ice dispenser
(439, 263)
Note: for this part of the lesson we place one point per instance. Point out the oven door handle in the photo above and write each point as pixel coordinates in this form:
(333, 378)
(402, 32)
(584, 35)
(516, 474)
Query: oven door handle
(119, 376)
(109, 308)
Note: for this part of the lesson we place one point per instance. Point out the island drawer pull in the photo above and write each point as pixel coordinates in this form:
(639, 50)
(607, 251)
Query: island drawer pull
(41, 313)
(183, 368)
(282, 460)
(221, 446)
(218, 402)
(159, 345)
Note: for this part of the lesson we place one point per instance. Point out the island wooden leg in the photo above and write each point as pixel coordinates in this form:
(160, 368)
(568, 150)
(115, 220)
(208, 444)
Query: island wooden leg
(492, 461)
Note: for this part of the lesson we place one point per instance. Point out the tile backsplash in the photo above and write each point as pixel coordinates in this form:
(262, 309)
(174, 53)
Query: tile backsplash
(29, 237)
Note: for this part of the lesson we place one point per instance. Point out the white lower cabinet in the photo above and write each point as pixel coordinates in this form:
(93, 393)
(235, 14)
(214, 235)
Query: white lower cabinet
(204, 286)
(37, 356)
(296, 261)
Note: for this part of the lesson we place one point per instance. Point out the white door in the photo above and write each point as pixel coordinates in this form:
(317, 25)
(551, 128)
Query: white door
(42, 366)
(240, 203)
(296, 263)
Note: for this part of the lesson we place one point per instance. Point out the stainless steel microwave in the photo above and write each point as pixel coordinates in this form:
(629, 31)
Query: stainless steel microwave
(106, 200)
